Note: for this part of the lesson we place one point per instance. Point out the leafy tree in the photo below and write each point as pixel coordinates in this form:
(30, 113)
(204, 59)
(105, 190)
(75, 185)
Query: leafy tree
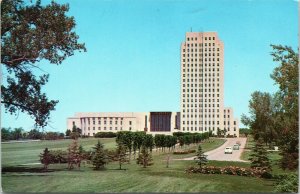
(32, 33)
(187, 139)
(68, 132)
(74, 156)
(201, 159)
(35, 134)
(261, 115)
(145, 158)
(286, 76)
(17, 133)
(99, 158)
(128, 142)
(46, 158)
(181, 141)
(219, 132)
(158, 141)
(259, 156)
(6, 134)
(149, 142)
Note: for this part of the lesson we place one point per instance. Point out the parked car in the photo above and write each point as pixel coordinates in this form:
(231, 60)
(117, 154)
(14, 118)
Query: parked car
(236, 147)
(228, 150)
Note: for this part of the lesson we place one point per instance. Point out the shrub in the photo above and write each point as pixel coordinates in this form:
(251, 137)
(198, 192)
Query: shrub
(288, 183)
(58, 156)
(184, 152)
(231, 170)
(105, 135)
(229, 136)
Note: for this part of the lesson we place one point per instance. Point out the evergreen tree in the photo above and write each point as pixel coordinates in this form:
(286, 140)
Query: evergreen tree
(46, 158)
(201, 159)
(73, 155)
(99, 158)
(259, 157)
(121, 155)
(145, 158)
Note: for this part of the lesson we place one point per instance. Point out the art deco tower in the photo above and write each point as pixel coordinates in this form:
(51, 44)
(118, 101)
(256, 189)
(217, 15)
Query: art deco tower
(202, 82)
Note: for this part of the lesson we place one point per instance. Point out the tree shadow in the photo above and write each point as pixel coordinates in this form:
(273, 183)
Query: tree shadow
(24, 169)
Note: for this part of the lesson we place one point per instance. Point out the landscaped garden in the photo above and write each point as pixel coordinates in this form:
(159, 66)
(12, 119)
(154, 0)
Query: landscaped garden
(22, 173)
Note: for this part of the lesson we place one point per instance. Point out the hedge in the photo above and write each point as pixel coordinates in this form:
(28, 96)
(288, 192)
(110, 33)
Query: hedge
(105, 134)
(184, 152)
(231, 170)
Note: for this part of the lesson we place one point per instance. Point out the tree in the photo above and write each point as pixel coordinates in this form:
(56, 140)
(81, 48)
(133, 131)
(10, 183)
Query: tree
(73, 155)
(76, 132)
(99, 158)
(35, 134)
(149, 142)
(286, 76)
(121, 155)
(259, 156)
(181, 141)
(46, 158)
(261, 116)
(32, 33)
(219, 132)
(201, 159)
(68, 132)
(6, 134)
(17, 133)
(288, 184)
(145, 158)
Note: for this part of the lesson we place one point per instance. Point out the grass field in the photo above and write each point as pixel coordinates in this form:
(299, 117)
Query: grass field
(18, 177)
(273, 156)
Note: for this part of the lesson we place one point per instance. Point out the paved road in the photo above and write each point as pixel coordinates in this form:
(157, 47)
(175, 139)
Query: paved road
(218, 153)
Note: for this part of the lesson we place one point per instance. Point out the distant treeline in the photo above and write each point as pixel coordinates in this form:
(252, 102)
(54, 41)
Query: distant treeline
(19, 134)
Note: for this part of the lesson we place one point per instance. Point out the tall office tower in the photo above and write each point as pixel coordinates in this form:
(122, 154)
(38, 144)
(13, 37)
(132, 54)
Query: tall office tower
(202, 83)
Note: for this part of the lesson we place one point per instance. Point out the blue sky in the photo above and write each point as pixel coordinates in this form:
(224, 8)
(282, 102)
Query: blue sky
(132, 61)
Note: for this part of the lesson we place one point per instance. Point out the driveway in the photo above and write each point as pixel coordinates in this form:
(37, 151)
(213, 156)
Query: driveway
(218, 153)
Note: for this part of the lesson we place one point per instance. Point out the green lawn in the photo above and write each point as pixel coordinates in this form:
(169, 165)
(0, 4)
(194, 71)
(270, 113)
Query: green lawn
(156, 178)
(273, 156)
(24, 153)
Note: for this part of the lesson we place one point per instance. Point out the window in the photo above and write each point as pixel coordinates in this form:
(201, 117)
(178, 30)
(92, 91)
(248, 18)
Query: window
(116, 122)
(110, 128)
(130, 122)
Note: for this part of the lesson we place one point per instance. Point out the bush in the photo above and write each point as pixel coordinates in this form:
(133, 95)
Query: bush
(230, 136)
(184, 152)
(105, 135)
(288, 183)
(58, 156)
(230, 170)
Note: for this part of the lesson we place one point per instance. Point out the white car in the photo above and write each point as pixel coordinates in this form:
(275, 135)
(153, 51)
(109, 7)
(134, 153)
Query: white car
(228, 150)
